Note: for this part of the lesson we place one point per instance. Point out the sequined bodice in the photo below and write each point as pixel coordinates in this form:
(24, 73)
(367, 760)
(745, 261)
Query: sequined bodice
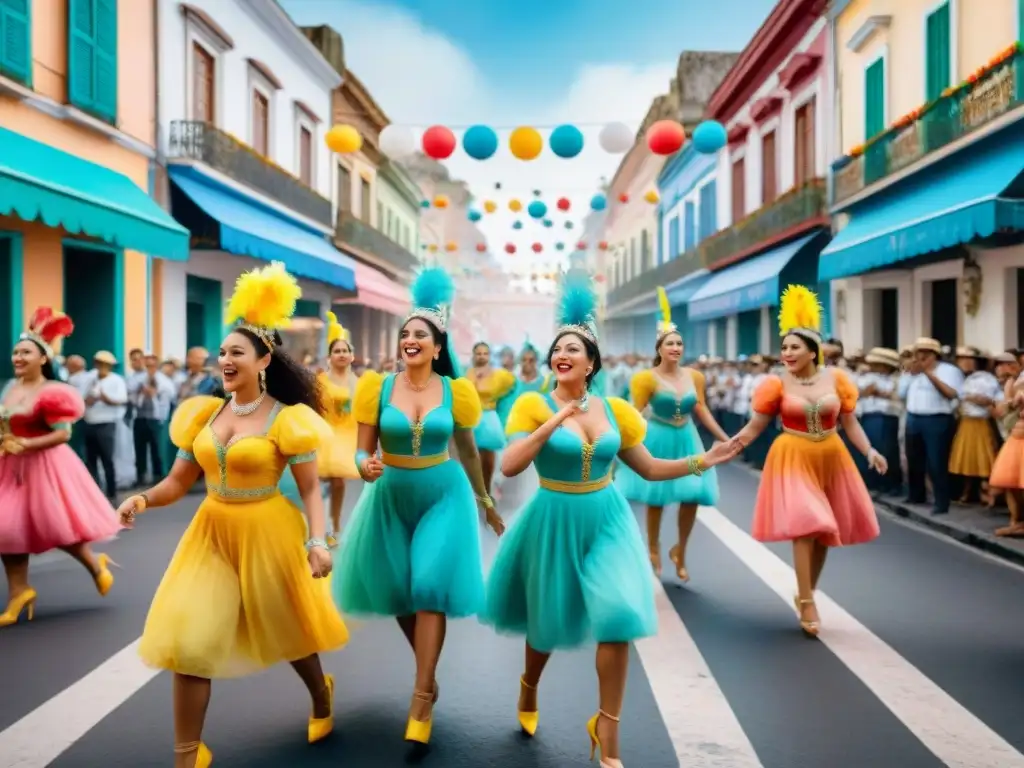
(25, 423)
(339, 402)
(669, 407)
(427, 437)
(567, 457)
(812, 417)
(488, 389)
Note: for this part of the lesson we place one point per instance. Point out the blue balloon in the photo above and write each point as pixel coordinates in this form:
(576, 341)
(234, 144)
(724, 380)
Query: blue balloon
(566, 141)
(598, 203)
(475, 215)
(709, 137)
(517, 225)
(480, 142)
(548, 222)
(424, 203)
(537, 209)
(559, 246)
(568, 225)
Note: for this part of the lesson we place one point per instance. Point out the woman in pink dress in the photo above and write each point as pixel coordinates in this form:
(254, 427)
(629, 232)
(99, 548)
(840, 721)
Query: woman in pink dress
(48, 500)
(811, 492)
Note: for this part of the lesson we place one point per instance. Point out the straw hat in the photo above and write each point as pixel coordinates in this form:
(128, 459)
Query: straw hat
(883, 356)
(1004, 357)
(103, 356)
(972, 352)
(925, 344)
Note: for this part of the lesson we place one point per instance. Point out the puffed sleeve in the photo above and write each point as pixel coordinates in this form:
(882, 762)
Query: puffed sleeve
(529, 411)
(642, 387)
(298, 431)
(189, 418)
(504, 383)
(60, 405)
(768, 397)
(699, 385)
(366, 404)
(466, 409)
(846, 390)
(632, 427)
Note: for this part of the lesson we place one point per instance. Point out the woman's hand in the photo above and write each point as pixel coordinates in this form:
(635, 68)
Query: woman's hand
(130, 507)
(320, 562)
(494, 521)
(12, 445)
(568, 410)
(371, 468)
(720, 453)
(877, 462)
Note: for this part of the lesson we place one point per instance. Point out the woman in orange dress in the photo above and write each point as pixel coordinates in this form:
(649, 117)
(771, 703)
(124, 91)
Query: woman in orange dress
(811, 492)
(1008, 470)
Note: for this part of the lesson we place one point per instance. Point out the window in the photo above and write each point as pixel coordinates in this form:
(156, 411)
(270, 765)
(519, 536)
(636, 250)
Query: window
(769, 168)
(739, 190)
(260, 123)
(364, 200)
(874, 99)
(344, 189)
(389, 228)
(805, 139)
(92, 56)
(16, 40)
(305, 156)
(645, 251)
(937, 52)
(708, 211)
(673, 239)
(203, 85)
(689, 226)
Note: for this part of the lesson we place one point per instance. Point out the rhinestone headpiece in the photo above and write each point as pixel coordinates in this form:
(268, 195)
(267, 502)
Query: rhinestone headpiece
(436, 316)
(587, 331)
(664, 329)
(266, 335)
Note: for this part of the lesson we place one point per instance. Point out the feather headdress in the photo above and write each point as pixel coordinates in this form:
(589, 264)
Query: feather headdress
(576, 307)
(665, 324)
(528, 347)
(800, 313)
(46, 327)
(336, 331)
(264, 301)
(432, 295)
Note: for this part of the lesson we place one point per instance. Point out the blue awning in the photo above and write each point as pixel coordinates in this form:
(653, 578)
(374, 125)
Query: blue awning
(679, 292)
(959, 200)
(749, 285)
(40, 182)
(250, 229)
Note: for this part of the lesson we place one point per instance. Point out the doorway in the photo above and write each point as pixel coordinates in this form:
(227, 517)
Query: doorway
(748, 332)
(93, 297)
(204, 313)
(945, 311)
(721, 331)
(8, 300)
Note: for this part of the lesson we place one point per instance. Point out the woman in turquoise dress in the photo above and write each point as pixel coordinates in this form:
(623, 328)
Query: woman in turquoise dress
(412, 548)
(671, 395)
(530, 377)
(572, 566)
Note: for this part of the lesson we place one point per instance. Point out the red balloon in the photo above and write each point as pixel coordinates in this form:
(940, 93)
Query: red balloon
(599, 278)
(537, 247)
(623, 198)
(665, 137)
(581, 245)
(563, 204)
(481, 247)
(510, 249)
(438, 142)
(603, 245)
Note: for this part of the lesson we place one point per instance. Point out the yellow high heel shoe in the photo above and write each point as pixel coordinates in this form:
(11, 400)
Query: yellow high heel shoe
(26, 601)
(528, 721)
(595, 742)
(321, 727)
(104, 578)
(204, 757)
(812, 628)
(419, 730)
(675, 554)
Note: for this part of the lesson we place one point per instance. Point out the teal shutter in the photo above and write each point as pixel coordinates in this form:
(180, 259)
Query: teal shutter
(92, 57)
(937, 53)
(16, 40)
(106, 59)
(1020, 20)
(874, 99)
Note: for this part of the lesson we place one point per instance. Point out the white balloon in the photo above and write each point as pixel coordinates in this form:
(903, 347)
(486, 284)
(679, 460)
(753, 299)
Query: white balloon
(616, 138)
(397, 142)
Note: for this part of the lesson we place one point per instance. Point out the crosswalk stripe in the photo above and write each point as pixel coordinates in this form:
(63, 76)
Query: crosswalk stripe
(949, 730)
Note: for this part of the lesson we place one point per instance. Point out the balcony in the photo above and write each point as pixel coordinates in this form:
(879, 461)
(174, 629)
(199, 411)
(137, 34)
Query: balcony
(207, 144)
(988, 95)
(356, 235)
(663, 274)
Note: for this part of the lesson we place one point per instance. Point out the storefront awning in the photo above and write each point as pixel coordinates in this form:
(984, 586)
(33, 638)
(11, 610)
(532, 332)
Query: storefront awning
(379, 292)
(968, 196)
(749, 285)
(250, 229)
(40, 182)
(679, 293)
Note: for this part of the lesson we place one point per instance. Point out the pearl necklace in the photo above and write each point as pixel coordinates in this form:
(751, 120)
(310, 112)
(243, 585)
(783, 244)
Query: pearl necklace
(248, 408)
(416, 387)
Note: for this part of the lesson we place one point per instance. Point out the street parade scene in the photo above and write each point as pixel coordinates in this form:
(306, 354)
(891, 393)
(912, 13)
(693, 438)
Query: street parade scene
(536, 385)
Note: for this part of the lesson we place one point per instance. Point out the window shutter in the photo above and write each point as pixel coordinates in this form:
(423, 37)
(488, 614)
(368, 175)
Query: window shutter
(937, 53)
(81, 48)
(874, 99)
(16, 40)
(105, 67)
(689, 227)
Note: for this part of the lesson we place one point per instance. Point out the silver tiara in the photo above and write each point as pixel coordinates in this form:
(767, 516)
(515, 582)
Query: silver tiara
(436, 316)
(586, 330)
(664, 329)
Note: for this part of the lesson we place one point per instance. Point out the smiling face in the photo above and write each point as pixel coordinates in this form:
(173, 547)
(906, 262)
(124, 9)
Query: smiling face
(239, 363)
(797, 355)
(27, 359)
(570, 360)
(340, 355)
(417, 343)
(481, 355)
(671, 348)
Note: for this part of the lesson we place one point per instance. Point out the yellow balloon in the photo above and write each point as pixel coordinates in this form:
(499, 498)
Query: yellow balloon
(451, 246)
(343, 139)
(652, 197)
(432, 248)
(525, 143)
(490, 206)
(515, 206)
(440, 201)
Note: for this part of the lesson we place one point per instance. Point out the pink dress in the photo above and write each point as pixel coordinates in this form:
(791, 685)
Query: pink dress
(48, 499)
(810, 486)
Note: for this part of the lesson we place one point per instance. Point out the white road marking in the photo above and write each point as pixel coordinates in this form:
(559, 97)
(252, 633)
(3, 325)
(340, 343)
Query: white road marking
(949, 730)
(702, 726)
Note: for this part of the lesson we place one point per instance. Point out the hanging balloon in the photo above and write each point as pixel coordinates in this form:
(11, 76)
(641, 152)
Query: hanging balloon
(451, 247)
(537, 209)
(515, 206)
(343, 139)
(438, 142)
(537, 247)
(490, 206)
(665, 137)
(432, 248)
(396, 142)
(480, 142)
(566, 141)
(424, 203)
(525, 143)
(536, 193)
(481, 247)
(559, 246)
(598, 203)
(651, 196)
(440, 201)
(510, 249)
(569, 225)
(564, 204)
(475, 215)
(623, 198)
(517, 225)
(709, 137)
(497, 185)
(599, 278)
(603, 245)
(581, 245)
(548, 223)
(616, 138)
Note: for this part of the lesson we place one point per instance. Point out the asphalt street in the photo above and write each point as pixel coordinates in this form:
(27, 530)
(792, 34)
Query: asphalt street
(919, 665)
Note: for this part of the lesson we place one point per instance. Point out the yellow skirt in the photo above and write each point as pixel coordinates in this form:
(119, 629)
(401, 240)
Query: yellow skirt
(974, 448)
(338, 457)
(238, 595)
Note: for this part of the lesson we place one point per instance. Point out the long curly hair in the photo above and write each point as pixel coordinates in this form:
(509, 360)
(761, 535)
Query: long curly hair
(288, 381)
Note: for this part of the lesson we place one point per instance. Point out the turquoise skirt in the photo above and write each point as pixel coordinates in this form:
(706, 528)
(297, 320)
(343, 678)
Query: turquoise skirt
(572, 568)
(489, 434)
(667, 442)
(413, 544)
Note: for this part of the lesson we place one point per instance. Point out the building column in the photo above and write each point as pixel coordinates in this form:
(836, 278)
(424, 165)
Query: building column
(765, 331)
(732, 332)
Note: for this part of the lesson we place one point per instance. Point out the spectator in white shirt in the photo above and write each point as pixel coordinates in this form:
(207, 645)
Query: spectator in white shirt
(104, 407)
(880, 415)
(152, 401)
(976, 442)
(81, 380)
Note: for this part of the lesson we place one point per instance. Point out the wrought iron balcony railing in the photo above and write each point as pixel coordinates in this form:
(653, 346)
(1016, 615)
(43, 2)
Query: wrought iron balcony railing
(990, 93)
(196, 140)
(360, 236)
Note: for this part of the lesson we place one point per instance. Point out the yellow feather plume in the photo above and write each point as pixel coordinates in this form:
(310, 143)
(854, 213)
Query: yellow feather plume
(664, 306)
(264, 297)
(335, 330)
(799, 308)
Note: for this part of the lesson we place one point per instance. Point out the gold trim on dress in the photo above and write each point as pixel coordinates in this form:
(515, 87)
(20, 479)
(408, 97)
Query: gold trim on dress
(677, 420)
(241, 495)
(576, 486)
(815, 436)
(402, 461)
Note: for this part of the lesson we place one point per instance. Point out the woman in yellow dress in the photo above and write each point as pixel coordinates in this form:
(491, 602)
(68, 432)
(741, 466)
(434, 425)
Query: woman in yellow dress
(494, 386)
(337, 458)
(239, 595)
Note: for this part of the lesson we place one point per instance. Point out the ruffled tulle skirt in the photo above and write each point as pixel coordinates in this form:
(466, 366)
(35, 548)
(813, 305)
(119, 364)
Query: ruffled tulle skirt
(413, 544)
(813, 489)
(572, 568)
(973, 453)
(48, 499)
(1008, 469)
(668, 442)
(337, 457)
(238, 595)
(489, 434)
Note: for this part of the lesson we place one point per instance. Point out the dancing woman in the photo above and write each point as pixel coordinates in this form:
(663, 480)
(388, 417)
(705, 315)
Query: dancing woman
(48, 500)
(572, 566)
(674, 394)
(1008, 469)
(412, 548)
(530, 377)
(238, 595)
(496, 388)
(810, 492)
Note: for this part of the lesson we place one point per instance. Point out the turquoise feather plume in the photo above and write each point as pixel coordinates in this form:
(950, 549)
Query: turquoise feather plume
(577, 304)
(432, 289)
(528, 347)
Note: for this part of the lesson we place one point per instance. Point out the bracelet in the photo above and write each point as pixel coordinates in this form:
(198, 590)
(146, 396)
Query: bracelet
(695, 465)
(486, 501)
(361, 457)
(145, 501)
(314, 543)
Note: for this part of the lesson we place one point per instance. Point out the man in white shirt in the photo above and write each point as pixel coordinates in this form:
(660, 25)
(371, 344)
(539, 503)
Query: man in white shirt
(152, 401)
(104, 407)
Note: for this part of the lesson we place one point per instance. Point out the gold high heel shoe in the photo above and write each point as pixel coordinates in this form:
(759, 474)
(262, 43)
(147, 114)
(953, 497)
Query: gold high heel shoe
(812, 628)
(595, 742)
(104, 578)
(419, 730)
(528, 721)
(675, 554)
(320, 727)
(26, 601)
(204, 757)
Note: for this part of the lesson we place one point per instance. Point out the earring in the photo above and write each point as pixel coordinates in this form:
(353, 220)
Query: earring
(263, 381)
(589, 370)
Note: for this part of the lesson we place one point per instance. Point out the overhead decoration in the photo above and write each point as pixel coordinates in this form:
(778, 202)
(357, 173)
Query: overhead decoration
(568, 225)
(432, 248)
(497, 185)
(536, 193)
(424, 203)
(616, 138)
(665, 137)
(559, 246)
(525, 143)
(343, 139)
(397, 142)
(480, 142)
(537, 209)
(537, 247)
(563, 204)
(566, 141)
(510, 249)
(481, 247)
(623, 198)
(514, 205)
(475, 215)
(490, 206)
(438, 142)
(598, 202)
(603, 245)
(581, 245)
(440, 201)
(599, 278)
(517, 225)
(548, 223)
(652, 196)
(709, 137)
(451, 246)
